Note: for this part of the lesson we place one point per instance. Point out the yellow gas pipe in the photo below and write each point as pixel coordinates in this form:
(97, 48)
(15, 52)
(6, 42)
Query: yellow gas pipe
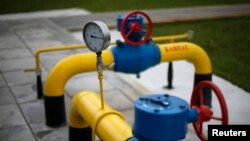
(80, 63)
(38, 69)
(173, 38)
(187, 51)
(70, 66)
(170, 38)
(57, 78)
(52, 49)
(107, 123)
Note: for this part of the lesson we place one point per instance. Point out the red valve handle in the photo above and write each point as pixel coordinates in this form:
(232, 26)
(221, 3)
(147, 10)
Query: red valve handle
(134, 27)
(205, 113)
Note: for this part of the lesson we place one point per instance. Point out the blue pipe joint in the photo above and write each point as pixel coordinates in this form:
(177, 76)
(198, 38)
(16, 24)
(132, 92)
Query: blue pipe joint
(131, 59)
(192, 115)
(161, 118)
(132, 139)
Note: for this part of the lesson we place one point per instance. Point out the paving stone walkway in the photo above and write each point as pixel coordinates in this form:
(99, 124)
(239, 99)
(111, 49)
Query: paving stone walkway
(22, 114)
(21, 111)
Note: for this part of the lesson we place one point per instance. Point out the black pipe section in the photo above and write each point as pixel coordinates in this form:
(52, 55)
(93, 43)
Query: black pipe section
(39, 86)
(80, 134)
(207, 92)
(55, 111)
(170, 75)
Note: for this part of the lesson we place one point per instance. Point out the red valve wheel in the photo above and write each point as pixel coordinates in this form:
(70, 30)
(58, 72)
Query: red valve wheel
(135, 28)
(205, 113)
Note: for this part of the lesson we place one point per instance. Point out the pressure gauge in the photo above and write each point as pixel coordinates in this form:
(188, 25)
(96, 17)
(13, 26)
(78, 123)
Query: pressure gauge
(96, 36)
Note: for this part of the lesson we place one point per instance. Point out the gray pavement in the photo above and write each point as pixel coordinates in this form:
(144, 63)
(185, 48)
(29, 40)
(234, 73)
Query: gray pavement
(20, 110)
(22, 115)
(45, 14)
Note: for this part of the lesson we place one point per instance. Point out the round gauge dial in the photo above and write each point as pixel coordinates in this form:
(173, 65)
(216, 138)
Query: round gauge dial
(96, 36)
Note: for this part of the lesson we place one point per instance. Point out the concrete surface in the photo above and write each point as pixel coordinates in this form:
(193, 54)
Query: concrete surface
(22, 115)
(20, 110)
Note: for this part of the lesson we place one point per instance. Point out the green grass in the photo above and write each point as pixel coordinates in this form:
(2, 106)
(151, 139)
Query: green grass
(227, 43)
(11, 6)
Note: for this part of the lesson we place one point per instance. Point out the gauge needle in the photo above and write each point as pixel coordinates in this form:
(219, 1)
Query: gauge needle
(92, 36)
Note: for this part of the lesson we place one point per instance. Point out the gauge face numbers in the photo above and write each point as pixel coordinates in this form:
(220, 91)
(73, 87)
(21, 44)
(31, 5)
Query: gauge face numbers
(96, 36)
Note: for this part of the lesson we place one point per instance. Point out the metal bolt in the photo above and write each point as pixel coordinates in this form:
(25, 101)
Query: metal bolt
(182, 106)
(166, 95)
(165, 103)
(156, 110)
(141, 98)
